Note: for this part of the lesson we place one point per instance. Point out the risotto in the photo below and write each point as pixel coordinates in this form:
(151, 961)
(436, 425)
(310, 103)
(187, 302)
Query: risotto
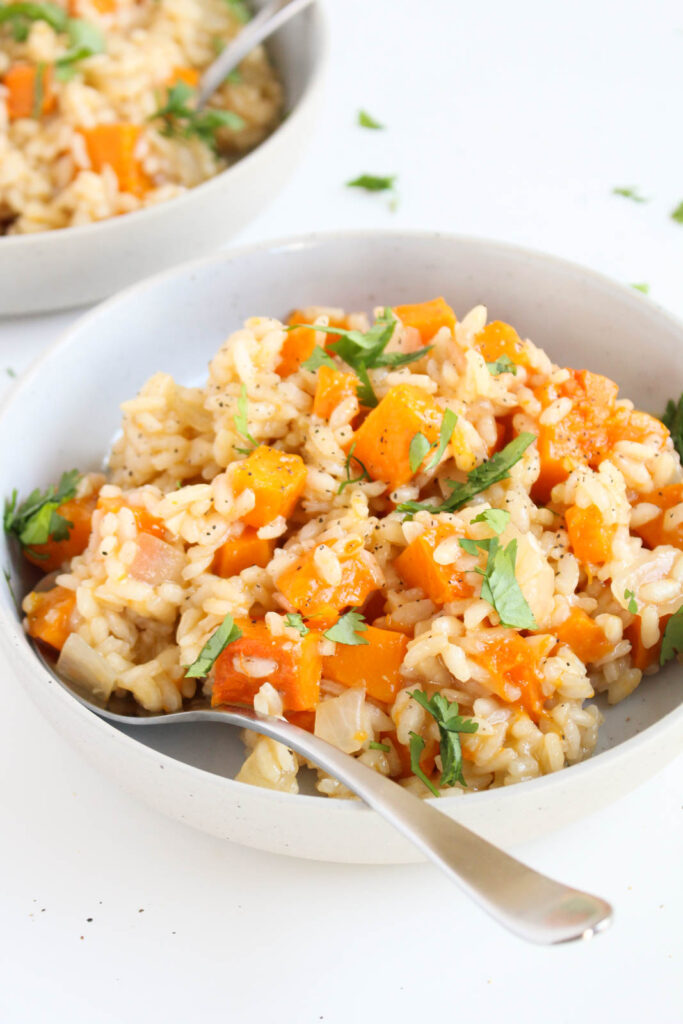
(96, 106)
(417, 537)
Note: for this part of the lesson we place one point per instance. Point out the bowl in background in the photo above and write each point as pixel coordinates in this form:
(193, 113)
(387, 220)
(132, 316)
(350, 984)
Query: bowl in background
(175, 322)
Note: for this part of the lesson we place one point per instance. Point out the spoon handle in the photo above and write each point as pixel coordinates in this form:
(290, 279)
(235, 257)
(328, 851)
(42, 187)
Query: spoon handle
(269, 19)
(528, 903)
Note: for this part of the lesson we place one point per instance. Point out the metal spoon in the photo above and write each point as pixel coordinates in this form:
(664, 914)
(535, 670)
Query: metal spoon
(532, 906)
(269, 19)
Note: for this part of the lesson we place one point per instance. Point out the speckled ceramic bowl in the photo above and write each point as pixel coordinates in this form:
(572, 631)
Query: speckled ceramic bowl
(174, 323)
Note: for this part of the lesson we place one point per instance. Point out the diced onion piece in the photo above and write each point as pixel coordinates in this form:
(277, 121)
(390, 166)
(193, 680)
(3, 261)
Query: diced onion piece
(156, 561)
(341, 721)
(79, 663)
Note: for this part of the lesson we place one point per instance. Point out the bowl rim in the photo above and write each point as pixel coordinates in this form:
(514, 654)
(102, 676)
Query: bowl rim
(14, 640)
(147, 215)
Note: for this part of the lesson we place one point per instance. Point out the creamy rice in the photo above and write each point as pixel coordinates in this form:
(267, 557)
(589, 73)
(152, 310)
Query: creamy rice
(146, 608)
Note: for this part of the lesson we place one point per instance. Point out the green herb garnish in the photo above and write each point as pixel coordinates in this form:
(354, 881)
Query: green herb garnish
(21, 15)
(677, 214)
(417, 745)
(445, 433)
(496, 518)
(36, 519)
(644, 288)
(318, 357)
(10, 371)
(374, 745)
(632, 603)
(240, 10)
(672, 642)
(8, 581)
(364, 475)
(181, 120)
(503, 364)
(85, 41)
(226, 634)
(629, 193)
(365, 120)
(492, 471)
(373, 182)
(451, 724)
(295, 621)
(348, 629)
(240, 419)
(673, 421)
(499, 586)
(419, 447)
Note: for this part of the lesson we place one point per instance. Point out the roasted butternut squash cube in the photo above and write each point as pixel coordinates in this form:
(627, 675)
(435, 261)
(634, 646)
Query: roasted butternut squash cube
(440, 583)
(584, 636)
(589, 535)
(427, 317)
(375, 665)
(277, 480)
(332, 387)
(48, 615)
(321, 602)
(242, 552)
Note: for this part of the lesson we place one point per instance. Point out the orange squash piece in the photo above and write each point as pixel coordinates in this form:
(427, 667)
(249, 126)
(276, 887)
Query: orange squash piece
(417, 568)
(144, 520)
(277, 480)
(653, 532)
(375, 665)
(427, 317)
(51, 555)
(590, 537)
(634, 425)
(383, 439)
(514, 666)
(242, 552)
(644, 657)
(299, 343)
(190, 76)
(500, 339)
(21, 81)
(323, 602)
(49, 615)
(584, 636)
(332, 387)
(113, 145)
(295, 674)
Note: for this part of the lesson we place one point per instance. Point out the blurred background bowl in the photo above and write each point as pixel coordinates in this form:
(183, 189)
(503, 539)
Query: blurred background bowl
(73, 266)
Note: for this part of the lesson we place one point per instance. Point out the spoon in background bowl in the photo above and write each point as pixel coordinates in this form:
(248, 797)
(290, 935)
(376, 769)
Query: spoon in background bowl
(534, 907)
(269, 19)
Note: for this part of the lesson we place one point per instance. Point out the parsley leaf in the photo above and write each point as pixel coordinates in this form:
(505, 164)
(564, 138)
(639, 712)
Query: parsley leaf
(672, 642)
(373, 182)
(36, 519)
(673, 420)
(632, 603)
(677, 214)
(182, 120)
(450, 723)
(226, 634)
(417, 745)
(492, 471)
(240, 10)
(503, 364)
(241, 421)
(10, 371)
(295, 621)
(644, 288)
(20, 15)
(499, 586)
(85, 40)
(629, 193)
(496, 518)
(419, 447)
(318, 357)
(445, 433)
(349, 479)
(365, 120)
(348, 629)
(374, 745)
(8, 581)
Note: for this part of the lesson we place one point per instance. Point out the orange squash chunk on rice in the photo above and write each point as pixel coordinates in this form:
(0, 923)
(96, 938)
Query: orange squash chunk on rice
(655, 531)
(584, 636)
(277, 480)
(427, 317)
(376, 665)
(514, 664)
(48, 614)
(416, 567)
(500, 339)
(52, 555)
(589, 535)
(322, 602)
(332, 387)
(242, 552)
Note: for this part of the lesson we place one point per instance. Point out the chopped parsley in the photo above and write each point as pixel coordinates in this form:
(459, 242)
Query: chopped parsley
(226, 634)
(672, 642)
(318, 357)
(10, 371)
(240, 10)
(364, 475)
(295, 621)
(417, 745)
(36, 519)
(643, 287)
(673, 420)
(21, 15)
(499, 586)
(629, 193)
(85, 40)
(362, 351)
(182, 121)
(419, 447)
(492, 471)
(8, 581)
(496, 518)
(374, 745)
(365, 120)
(677, 214)
(240, 419)
(373, 182)
(632, 603)
(451, 724)
(503, 364)
(445, 433)
(348, 629)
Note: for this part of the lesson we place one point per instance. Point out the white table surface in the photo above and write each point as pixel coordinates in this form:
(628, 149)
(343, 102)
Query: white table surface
(505, 120)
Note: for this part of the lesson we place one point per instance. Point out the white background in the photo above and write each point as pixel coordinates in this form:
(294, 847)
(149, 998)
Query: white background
(508, 120)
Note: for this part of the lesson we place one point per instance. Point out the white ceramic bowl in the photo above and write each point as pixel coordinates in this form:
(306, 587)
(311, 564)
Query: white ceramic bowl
(65, 412)
(74, 266)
